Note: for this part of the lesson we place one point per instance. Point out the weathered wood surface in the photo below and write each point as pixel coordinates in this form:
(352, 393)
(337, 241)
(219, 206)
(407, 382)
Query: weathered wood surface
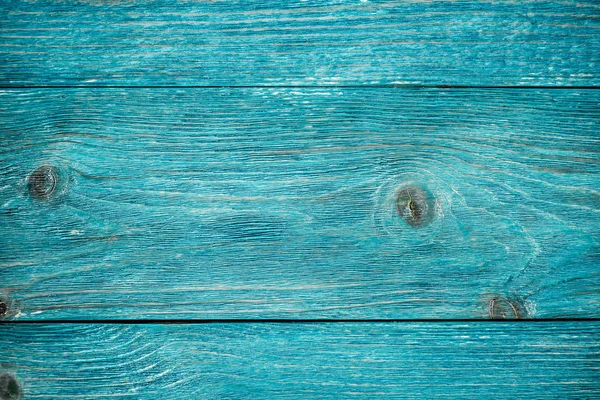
(289, 361)
(258, 42)
(281, 203)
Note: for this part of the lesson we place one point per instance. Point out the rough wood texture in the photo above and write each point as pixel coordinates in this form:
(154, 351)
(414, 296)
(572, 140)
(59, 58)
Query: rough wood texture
(281, 203)
(258, 42)
(290, 361)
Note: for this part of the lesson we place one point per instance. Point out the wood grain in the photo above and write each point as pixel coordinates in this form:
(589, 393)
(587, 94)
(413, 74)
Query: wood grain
(262, 43)
(281, 203)
(286, 361)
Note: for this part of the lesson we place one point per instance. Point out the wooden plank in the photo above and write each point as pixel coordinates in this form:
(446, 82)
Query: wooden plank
(497, 360)
(258, 42)
(283, 203)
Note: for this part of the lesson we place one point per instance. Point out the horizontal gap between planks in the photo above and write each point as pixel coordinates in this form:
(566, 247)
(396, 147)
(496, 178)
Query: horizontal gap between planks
(291, 321)
(389, 86)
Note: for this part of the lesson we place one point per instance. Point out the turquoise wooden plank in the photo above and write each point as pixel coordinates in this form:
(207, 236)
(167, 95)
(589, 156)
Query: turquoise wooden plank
(257, 42)
(497, 360)
(289, 203)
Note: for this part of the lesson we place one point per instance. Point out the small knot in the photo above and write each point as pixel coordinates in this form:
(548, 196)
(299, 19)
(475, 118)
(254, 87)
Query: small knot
(502, 308)
(415, 205)
(9, 388)
(42, 182)
(3, 308)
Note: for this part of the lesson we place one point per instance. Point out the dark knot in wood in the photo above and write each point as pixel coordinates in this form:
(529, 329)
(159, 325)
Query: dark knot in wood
(42, 182)
(9, 388)
(416, 205)
(502, 308)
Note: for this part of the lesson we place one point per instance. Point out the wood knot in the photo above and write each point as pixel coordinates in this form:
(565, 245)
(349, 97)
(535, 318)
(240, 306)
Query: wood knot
(502, 308)
(42, 182)
(3, 308)
(9, 388)
(415, 205)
